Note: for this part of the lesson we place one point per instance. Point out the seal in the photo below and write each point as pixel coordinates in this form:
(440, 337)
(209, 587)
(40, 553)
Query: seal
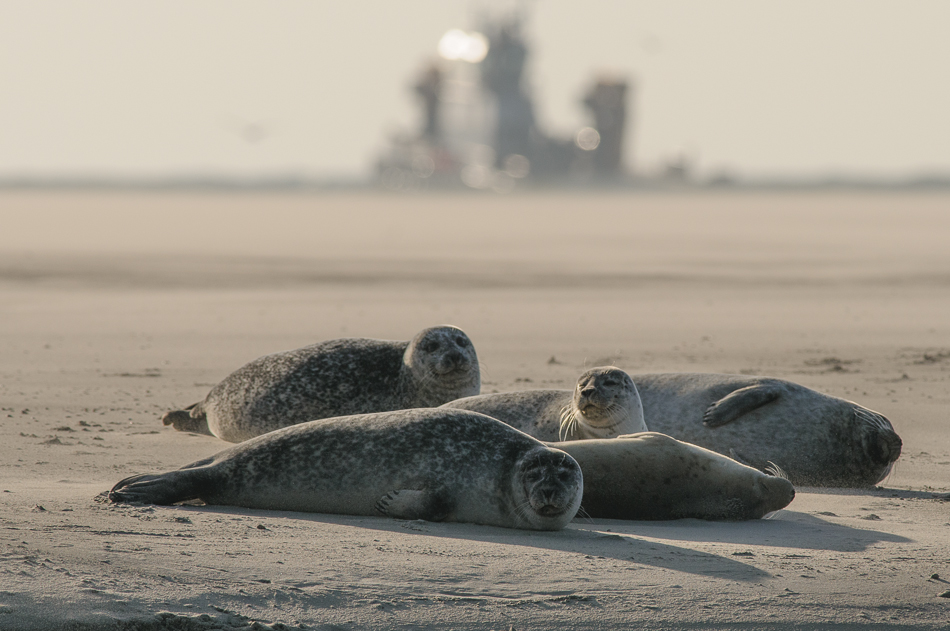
(432, 464)
(650, 476)
(604, 404)
(818, 440)
(335, 378)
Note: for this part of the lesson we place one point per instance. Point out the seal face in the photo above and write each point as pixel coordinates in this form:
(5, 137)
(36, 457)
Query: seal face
(604, 404)
(433, 464)
(652, 476)
(818, 440)
(335, 378)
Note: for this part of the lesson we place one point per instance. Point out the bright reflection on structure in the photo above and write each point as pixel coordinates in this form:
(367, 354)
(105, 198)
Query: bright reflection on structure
(423, 166)
(517, 166)
(587, 139)
(457, 44)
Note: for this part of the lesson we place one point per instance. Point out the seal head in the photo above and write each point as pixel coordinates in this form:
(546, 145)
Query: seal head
(879, 442)
(605, 404)
(547, 488)
(439, 363)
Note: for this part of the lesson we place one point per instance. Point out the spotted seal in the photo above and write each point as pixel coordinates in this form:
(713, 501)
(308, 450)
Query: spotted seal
(604, 404)
(335, 378)
(818, 440)
(649, 476)
(432, 464)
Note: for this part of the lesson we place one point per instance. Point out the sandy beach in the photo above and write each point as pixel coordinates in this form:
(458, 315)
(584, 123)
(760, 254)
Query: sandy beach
(118, 306)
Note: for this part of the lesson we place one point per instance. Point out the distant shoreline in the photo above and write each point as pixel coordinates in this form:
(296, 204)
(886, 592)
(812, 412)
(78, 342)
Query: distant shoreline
(629, 184)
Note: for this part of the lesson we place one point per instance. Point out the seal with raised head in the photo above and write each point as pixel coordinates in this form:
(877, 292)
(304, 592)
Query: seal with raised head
(650, 476)
(335, 378)
(604, 404)
(432, 464)
(818, 440)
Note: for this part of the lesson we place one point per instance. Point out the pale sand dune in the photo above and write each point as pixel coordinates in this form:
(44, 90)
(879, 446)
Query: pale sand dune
(117, 307)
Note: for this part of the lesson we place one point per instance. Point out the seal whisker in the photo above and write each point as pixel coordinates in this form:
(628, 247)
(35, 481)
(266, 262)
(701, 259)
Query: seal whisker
(523, 509)
(775, 471)
(568, 422)
(583, 515)
(891, 468)
(873, 419)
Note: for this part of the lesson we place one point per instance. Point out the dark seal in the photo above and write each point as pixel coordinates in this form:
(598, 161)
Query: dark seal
(335, 378)
(818, 440)
(432, 464)
(649, 476)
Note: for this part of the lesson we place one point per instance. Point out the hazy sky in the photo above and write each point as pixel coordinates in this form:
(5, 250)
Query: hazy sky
(803, 87)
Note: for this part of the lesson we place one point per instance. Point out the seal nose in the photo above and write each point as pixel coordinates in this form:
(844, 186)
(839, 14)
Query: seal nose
(887, 447)
(454, 358)
(774, 494)
(551, 505)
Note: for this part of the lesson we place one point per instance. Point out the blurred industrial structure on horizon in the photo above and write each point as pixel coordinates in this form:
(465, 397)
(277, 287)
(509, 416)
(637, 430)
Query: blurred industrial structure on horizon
(479, 126)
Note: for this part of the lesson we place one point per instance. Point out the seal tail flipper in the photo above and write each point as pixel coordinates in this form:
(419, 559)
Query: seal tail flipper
(191, 419)
(163, 488)
(739, 402)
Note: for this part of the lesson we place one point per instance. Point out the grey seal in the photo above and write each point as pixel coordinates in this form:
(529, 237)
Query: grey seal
(817, 439)
(335, 378)
(649, 476)
(432, 464)
(604, 404)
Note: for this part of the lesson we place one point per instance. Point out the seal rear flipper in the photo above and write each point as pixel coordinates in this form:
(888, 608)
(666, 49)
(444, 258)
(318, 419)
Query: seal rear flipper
(415, 504)
(739, 402)
(191, 419)
(163, 488)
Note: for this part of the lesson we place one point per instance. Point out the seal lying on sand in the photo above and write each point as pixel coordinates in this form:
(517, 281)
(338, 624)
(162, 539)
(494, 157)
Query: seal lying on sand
(652, 476)
(818, 440)
(432, 464)
(335, 378)
(604, 404)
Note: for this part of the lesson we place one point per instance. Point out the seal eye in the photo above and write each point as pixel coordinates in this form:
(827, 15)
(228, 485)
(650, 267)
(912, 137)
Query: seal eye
(461, 341)
(431, 346)
(610, 383)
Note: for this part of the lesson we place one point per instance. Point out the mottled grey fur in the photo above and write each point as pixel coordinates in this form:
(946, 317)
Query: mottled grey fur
(431, 464)
(604, 404)
(335, 378)
(818, 440)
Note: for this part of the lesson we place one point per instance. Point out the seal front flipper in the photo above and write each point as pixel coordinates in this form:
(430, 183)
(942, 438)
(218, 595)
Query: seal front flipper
(739, 402)
(415, 504)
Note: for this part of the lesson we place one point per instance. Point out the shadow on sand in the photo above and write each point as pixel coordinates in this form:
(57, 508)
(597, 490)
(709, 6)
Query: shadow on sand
(631, 541)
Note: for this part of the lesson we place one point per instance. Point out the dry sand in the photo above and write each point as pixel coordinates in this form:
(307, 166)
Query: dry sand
(115, 307)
